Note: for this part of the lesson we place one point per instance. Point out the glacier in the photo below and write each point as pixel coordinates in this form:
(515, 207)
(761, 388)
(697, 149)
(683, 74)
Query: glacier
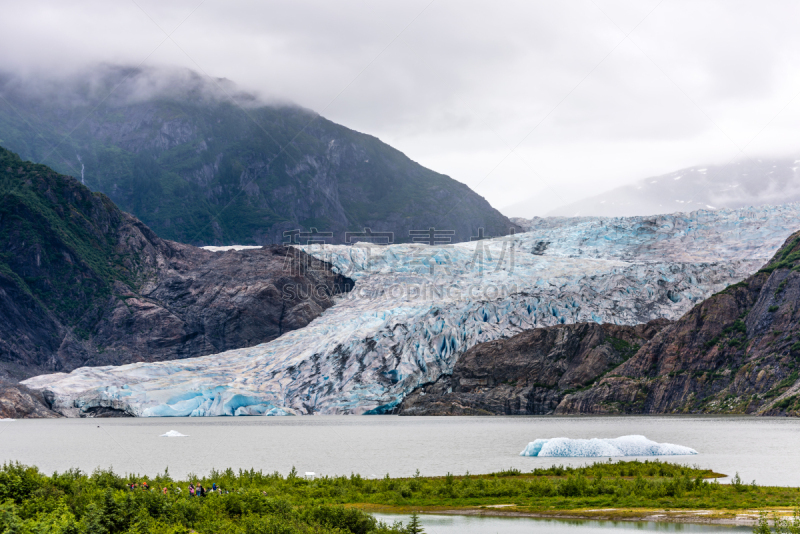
(415, 308)
(599, 447)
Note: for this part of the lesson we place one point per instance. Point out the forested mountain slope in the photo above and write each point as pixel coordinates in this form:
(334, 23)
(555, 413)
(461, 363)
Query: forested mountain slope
(200, 162)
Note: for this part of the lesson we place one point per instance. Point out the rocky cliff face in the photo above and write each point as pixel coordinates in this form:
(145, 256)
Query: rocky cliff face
(19, 402)
(82, 283)
(736, 352)
(199, 162)
(530, 373)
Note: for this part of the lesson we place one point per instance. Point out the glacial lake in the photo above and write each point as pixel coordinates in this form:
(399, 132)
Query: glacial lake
(762, 449)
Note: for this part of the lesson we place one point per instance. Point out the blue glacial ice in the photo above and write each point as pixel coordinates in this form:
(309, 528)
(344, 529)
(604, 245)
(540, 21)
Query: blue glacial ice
(603, 448)
(416, 308)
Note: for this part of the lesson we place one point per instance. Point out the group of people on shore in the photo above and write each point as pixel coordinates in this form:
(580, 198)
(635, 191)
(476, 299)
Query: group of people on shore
(200, 491)
(194, 491)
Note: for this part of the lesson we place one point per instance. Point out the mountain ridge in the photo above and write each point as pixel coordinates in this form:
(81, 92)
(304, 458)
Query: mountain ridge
(748, 182)
(207, 164)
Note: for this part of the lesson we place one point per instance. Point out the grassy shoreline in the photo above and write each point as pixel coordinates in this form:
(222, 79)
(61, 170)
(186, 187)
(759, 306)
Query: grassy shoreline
(252, 502)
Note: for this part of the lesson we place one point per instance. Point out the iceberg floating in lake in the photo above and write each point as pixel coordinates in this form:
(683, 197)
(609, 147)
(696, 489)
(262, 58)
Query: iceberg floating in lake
(599, 447)
(173, 434)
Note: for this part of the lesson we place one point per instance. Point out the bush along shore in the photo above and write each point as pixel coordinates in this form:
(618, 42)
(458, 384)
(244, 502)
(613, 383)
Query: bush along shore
(254, 502)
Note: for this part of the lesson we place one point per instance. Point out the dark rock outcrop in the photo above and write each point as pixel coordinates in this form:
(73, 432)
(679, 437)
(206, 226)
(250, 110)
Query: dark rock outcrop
(85, 284)
(530, 373)
(207, 302)
(19, 402)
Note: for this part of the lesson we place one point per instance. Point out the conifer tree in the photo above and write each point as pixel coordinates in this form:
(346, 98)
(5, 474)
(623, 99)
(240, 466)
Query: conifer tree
(414, 526)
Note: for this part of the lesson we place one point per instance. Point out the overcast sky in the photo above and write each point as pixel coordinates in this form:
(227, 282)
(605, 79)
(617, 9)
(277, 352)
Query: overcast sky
(512, 98)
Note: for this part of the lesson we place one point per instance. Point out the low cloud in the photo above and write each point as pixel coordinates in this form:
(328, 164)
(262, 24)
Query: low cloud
(457, 85)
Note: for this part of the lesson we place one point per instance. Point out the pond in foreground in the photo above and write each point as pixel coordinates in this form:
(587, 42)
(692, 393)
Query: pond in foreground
(446, 524)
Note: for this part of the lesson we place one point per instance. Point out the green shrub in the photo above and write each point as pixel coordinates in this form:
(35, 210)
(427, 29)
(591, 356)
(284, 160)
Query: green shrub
(255, 502)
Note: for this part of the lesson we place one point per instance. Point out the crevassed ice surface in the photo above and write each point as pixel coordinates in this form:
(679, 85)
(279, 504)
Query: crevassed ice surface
(599, 447)
(415, 308)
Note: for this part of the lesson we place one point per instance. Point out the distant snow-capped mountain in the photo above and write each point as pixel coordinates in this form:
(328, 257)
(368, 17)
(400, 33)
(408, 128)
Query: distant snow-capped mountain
(754, 182)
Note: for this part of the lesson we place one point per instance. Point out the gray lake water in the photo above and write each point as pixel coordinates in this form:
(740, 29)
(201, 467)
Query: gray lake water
(761, 449)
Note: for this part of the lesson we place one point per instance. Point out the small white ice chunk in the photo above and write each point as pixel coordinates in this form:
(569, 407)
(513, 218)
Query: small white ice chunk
(599, 447)
(173, 434)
